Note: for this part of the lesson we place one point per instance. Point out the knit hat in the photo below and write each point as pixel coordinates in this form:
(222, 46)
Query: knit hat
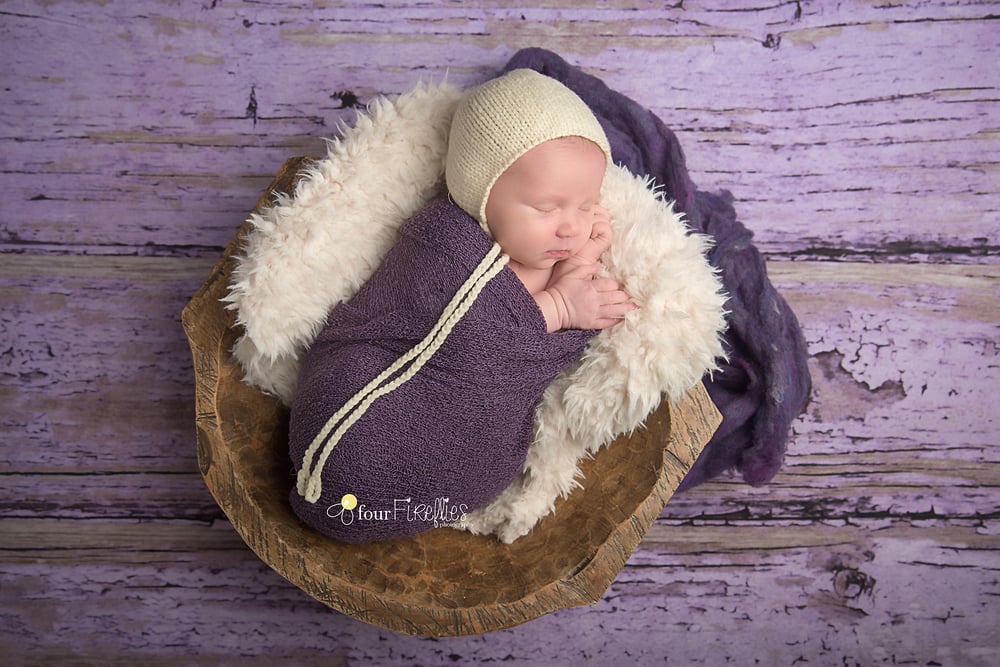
(503, 119)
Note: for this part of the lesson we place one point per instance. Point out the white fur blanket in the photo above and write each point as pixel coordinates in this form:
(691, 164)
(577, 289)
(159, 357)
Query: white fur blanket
(316, 248)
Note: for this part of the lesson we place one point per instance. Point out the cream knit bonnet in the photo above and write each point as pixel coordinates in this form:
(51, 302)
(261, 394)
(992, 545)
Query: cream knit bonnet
(503, 119)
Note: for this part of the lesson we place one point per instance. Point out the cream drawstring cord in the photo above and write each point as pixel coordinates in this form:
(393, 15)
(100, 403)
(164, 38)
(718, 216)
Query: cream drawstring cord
(309, 483)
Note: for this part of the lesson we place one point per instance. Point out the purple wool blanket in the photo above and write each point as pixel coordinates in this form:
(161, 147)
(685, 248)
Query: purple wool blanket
(766, 383)
(455, 435)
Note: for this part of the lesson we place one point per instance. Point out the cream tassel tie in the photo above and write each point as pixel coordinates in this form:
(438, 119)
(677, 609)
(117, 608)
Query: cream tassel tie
(309, 483)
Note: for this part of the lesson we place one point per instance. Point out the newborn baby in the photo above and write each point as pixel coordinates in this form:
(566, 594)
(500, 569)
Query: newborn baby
(416, 401)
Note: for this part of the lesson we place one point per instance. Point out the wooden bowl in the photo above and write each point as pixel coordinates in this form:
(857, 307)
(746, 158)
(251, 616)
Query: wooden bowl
(443, 582)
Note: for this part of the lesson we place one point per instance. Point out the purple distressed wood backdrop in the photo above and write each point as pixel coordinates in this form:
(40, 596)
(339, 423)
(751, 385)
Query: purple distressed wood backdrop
(861, 140)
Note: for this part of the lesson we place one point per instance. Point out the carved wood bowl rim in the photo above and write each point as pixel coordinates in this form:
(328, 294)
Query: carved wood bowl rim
(443, 582)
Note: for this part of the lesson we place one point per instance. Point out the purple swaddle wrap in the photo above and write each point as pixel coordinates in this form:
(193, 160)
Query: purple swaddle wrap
(765, 384)
(455, 435)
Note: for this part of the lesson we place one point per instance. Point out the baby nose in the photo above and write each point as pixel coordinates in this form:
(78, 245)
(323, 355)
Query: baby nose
(570, 223)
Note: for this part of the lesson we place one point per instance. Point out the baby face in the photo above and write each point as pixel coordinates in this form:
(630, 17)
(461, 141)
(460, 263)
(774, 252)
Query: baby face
(541, 209)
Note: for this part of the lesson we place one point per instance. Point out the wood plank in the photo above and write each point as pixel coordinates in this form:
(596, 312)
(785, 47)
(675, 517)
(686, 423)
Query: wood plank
(896, 139)
(893, 346)
(879, 485)
(165, 208)
(861, 593)
(95, 371)
(809, 488)
(93, 494)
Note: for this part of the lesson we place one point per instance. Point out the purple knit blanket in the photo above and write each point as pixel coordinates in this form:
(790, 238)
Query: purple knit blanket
(455, 435)
(765, 384)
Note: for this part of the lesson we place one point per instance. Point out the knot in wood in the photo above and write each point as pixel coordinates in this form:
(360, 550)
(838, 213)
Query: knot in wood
(850, 584)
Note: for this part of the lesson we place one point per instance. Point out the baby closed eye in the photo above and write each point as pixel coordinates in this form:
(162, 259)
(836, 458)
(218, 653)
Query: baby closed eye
(552, 208)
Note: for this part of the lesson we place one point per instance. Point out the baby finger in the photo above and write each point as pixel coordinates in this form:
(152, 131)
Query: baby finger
(606, 285)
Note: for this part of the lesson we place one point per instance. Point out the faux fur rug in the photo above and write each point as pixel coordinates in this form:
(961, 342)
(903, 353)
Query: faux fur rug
(316, 248)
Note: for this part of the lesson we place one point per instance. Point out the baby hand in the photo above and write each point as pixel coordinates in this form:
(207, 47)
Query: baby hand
(599, 241)
(584, 301)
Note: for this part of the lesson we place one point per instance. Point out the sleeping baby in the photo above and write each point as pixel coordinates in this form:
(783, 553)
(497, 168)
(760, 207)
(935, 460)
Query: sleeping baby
(416, 401)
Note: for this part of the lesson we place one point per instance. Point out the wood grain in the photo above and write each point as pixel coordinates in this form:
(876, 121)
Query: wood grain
(860, 141)
(863, 592)
(842, 168)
